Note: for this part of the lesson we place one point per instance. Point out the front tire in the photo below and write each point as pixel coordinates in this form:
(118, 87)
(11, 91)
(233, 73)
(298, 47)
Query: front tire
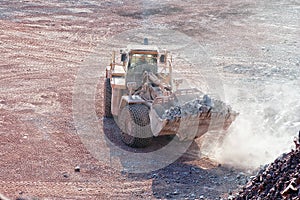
(135, 125)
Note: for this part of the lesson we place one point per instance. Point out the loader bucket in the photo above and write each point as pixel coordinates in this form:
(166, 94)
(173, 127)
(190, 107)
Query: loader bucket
(191, 119)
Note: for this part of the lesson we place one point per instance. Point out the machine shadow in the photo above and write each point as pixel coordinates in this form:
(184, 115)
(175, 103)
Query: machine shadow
(189, 177)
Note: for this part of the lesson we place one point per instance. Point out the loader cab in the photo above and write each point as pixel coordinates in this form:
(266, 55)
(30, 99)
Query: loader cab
(137, 59)
(142, 55)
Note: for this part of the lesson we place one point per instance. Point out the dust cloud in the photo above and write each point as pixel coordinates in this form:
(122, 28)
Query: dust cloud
(268, 122)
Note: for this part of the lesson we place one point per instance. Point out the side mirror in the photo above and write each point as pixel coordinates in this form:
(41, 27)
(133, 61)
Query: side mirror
(162, 58)
(123, 57)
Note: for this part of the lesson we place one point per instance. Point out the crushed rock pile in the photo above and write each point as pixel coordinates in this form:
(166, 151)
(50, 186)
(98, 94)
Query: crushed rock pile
(278, 180)
(196, 106)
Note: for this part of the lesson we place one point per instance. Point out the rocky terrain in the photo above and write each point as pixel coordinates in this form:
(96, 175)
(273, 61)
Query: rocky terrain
(54, 142)
(278, 180)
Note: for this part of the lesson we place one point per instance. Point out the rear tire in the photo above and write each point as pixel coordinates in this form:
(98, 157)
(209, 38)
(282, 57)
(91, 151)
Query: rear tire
(107, 98)
(135, 125)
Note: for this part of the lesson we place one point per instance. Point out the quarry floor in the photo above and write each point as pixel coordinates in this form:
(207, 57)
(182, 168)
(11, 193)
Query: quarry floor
(52, 64)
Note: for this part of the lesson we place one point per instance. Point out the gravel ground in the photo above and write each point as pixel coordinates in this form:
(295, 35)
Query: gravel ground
(245, 52)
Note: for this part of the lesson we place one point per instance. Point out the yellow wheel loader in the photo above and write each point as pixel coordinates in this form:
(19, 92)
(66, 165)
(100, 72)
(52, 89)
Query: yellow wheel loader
(140, 93)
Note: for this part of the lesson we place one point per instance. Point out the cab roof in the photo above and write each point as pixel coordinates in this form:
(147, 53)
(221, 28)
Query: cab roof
(142, 48)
